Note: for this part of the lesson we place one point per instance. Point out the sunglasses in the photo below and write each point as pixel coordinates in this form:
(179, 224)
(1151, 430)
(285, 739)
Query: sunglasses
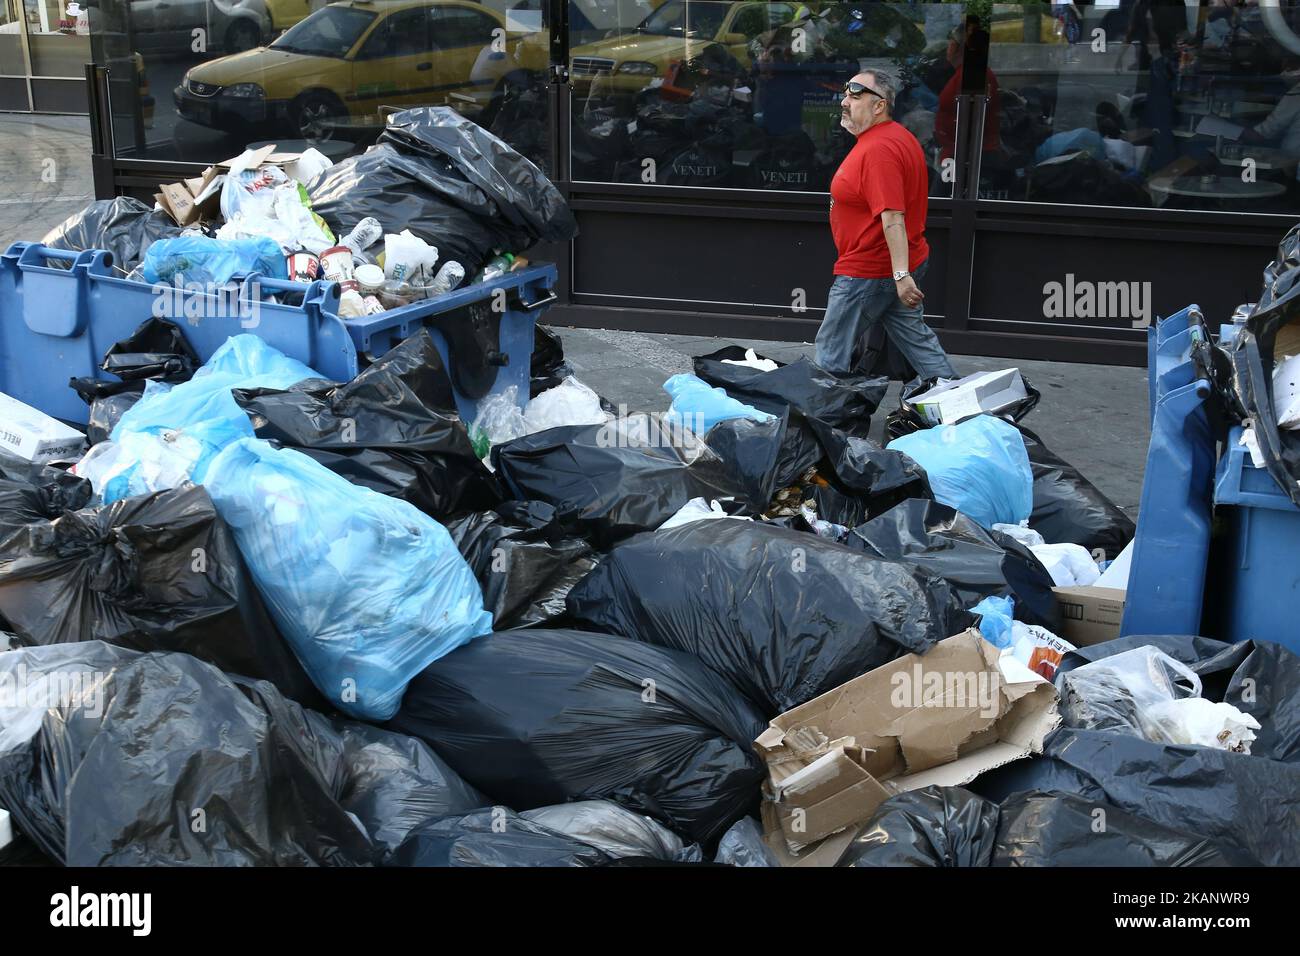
(855, 90)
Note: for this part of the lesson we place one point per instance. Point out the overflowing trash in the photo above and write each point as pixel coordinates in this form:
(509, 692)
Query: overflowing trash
(394, 596)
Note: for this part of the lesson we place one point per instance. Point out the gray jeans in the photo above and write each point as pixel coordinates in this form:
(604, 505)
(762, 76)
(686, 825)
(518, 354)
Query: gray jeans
(857, 304)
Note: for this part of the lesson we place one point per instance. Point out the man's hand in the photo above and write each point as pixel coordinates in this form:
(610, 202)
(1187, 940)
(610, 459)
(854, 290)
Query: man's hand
(908, 293)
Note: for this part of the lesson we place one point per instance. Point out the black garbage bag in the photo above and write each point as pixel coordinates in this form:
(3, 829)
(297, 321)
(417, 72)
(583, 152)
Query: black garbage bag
(906, 419)
(610, 481)
(1245, 805)
(124, 226)
(522, 560)
(975, 562)
(548, 367)
(158, 572)
(845, 402)
(31, 493)
(539, 717)
(1253, 360)
(803, 392)
(1063, 829)
(782, 615)
(493, 836)
(614, 829)
(156, 351)
(1069, 509)
(162, 760)
(935, 826)
(869, 478)
(393, 429)
(750, 451)
(390, 782)
(743, 845)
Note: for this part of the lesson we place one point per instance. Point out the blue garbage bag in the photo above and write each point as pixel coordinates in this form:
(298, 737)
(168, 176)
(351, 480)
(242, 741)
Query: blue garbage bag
(979, 466)
(995, 620)
(367, 589)
(699, 406)
(198, 259)
(175, 430)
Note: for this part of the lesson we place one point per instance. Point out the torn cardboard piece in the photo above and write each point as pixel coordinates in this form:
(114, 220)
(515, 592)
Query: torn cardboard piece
(942, 718)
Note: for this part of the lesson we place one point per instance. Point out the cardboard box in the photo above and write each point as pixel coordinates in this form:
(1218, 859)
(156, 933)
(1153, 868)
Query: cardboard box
(1089, 614)
(981, 392)
(34, 436)
(943, 718)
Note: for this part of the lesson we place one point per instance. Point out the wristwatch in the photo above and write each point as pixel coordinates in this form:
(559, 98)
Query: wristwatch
(900, 276)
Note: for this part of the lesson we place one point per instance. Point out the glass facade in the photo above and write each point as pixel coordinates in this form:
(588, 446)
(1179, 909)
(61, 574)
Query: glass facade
(746, 95)
(43, 42)
(1155, 104)
(1146, 103)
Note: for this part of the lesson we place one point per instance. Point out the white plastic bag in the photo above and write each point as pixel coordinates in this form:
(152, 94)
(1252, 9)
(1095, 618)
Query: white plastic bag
(1026, 536)
(697, 509)
(266, 202)
(1202, 722)
(1037, 648)
(407, 256)
(1069, 565)
(1118, 693)
(751, 360)
(569, 403)
(499, 419)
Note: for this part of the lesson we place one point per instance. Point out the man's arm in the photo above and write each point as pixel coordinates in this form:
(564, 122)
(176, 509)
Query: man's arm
(895, 228)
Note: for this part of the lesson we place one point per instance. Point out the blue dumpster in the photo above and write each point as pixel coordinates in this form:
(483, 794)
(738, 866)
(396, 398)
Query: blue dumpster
(56, 323)
(1171, 547)
(1256, 590)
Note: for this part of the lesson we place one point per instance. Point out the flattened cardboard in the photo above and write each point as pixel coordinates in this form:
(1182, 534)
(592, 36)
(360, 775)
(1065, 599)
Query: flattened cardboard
(942, 718)
(1089, 614)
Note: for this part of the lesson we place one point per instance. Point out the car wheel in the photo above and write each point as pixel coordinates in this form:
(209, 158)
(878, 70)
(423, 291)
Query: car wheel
(314, 115)
(242, 35)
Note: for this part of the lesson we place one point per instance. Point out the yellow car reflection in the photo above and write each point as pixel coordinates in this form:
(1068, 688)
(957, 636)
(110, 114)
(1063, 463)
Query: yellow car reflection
(678, 31)
(337, 67)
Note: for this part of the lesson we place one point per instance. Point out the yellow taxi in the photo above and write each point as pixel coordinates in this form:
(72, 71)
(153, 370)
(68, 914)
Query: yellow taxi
(678, 31)
(337, 67)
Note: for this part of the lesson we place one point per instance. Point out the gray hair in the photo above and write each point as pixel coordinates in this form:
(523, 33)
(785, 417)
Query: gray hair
(885, 84)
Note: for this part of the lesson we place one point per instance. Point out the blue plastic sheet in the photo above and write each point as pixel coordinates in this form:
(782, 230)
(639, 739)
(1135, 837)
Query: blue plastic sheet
(367, 589)
(979, 466)
(177, 430)
(699, 406)
(995, 620)
(198, 259)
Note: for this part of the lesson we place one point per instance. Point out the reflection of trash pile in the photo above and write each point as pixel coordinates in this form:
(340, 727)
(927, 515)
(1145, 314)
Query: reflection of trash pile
(360, 629)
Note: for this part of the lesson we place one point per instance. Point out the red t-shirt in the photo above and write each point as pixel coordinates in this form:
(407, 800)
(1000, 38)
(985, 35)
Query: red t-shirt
(884, 170)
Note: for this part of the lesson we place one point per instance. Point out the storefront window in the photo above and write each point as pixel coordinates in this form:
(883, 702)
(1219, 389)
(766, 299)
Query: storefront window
(58, 32)
(1148, 103)
(746, 93)
(207, 79)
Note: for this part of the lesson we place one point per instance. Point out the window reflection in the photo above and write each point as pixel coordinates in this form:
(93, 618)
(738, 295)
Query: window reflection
(745, 94)
(302, 72)
(1149, 103)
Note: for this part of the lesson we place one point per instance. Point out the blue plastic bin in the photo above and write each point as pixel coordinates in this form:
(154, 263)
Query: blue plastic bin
(1171, 547)
(57, 323)
(1170, 343)
(1257, 591)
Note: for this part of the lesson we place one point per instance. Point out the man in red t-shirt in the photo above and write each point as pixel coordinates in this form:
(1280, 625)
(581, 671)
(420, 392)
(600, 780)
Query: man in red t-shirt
(879, 198)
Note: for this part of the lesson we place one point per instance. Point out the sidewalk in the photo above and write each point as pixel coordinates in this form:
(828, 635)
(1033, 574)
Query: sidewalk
(1093, 416)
